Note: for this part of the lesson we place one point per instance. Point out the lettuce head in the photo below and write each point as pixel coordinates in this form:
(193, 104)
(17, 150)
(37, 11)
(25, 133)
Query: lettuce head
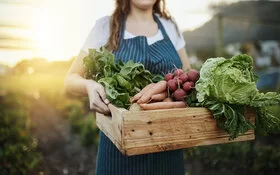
(232, 81)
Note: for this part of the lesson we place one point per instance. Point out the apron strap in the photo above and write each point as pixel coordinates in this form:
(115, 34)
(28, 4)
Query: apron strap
(165, 36)
(122, 29)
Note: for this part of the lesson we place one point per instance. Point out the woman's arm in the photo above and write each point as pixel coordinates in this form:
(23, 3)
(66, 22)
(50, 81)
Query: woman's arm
(184, 58)
(75, 83)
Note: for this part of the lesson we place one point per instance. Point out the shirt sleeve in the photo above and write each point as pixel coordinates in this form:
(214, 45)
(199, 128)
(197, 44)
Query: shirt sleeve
(99, 34)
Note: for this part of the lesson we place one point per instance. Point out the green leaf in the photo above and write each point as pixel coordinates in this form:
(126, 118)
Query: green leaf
(265, 99)
(225, 86)
(229, 117)
(157, 78)
(111, 93)
(266, 121)
(121, 80)
(108, 82)
(122, 100)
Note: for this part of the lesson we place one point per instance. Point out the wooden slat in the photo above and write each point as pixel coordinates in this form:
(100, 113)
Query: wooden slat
(140, 132)
(179, 145)
(186, 139)
(112, 125)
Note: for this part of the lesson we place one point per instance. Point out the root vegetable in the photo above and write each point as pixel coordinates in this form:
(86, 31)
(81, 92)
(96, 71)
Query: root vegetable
(156, 89)
(139, 94)
(160, 96)
(135, 107)
(187, 86)
(163, 105)
(178, 72)
(179, 94)
(178, 80)
(183, 77)
(193, 75)
(168, 76)
(172, 85)
(168, 99)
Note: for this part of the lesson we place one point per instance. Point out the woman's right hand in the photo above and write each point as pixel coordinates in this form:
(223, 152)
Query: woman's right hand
(97, 97)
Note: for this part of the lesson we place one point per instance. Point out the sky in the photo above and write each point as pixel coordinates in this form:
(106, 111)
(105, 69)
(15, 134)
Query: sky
(57, 29)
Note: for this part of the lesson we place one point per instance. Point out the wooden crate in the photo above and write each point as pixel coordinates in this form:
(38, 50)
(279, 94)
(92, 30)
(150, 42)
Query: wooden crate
(141, 132)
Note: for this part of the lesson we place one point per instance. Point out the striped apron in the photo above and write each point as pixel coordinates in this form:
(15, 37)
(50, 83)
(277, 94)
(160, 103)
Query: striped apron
(159, 57)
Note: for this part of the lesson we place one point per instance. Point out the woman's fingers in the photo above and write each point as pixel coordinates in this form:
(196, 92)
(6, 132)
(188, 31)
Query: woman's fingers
(101, 110)
(97, 98)
(98, 105)
(101, 91)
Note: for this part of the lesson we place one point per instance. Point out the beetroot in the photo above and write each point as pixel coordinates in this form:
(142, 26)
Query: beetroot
(193, 75)
(179, 94)
(168, 76)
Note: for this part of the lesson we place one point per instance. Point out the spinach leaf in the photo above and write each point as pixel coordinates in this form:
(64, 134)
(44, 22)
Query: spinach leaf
(121, 80)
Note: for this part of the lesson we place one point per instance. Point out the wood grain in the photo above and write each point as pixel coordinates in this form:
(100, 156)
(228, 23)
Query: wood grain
(141, 132)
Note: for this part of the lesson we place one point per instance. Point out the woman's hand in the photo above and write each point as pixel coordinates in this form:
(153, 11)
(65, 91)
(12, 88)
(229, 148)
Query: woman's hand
(97, 97)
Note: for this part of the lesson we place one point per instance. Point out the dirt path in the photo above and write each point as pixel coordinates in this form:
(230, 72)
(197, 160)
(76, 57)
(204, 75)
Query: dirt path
(62, 151)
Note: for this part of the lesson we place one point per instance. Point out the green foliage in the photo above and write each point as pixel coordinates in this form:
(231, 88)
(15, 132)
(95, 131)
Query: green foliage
(227, 80)
(227, 86)
(89, 132)
(255, 157)
(268, 120)
(83, 124)
(121, 80)
(230, 117)
(18, 154)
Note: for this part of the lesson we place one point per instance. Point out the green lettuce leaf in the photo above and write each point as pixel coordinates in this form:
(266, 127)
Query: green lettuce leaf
(229, 117)
(232, 81)
(226, 86)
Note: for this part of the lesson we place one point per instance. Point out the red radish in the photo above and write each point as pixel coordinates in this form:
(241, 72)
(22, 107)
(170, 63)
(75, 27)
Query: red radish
(168, 76)
(192, 84)
(178, 72)
(187, 86)
(172, 85)
(178, 80)
(183, 77)
(179, 94)
(193, 75)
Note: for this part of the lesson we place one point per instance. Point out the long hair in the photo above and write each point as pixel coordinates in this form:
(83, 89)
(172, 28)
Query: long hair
(122, 8)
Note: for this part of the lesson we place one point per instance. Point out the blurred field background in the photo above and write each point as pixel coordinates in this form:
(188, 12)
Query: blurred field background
(45, 131)
(55, 133)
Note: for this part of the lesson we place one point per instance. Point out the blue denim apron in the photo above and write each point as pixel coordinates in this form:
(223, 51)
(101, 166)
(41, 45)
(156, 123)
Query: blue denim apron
(159, 57)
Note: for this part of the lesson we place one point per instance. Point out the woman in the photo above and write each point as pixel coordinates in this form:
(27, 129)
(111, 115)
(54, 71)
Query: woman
(143, 31)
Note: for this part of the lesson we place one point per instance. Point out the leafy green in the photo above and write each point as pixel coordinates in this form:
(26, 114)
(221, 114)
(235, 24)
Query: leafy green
(121, 80)
(267, 121)
(230, 117)
(226, 86)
